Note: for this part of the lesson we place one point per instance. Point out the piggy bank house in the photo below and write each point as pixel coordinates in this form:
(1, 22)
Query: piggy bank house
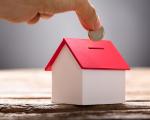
(85, 72)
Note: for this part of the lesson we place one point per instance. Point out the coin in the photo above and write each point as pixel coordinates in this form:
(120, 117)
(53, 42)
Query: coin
(96, 35)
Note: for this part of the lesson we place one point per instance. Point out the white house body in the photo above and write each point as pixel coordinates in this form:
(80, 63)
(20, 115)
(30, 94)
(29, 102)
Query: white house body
(73, 85)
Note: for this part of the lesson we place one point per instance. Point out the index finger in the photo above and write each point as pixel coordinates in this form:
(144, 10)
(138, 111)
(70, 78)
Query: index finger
(83, 8)
(87, 15)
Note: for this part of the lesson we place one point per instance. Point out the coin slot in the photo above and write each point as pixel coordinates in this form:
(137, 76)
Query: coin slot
(96, 48)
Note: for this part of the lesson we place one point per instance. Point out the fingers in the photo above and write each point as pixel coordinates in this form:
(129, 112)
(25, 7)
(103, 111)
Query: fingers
(58, 6)
(34, 20)
(83, 8)
(85, 11)
(87, 16)
(46, 15)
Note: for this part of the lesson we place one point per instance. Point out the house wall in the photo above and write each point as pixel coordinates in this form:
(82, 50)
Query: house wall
(66, 79)
(103, 86)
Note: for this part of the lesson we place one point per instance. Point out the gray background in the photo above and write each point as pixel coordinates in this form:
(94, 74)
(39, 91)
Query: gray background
(127, 24)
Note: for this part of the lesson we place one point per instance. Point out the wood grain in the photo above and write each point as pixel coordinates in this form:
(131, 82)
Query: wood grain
(137, 104)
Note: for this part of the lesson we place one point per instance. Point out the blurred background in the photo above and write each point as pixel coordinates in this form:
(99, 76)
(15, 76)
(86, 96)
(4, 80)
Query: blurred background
(126, 22)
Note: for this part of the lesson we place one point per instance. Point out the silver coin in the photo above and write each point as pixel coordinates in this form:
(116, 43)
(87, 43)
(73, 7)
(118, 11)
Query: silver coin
(96, 35)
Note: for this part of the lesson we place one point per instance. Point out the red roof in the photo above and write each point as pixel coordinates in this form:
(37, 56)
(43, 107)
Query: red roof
(92, 55)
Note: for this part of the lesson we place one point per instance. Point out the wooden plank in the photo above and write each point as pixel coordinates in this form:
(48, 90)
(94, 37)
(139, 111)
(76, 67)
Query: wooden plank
(36, 83)
(138, 84)
(131, 109)
(137, 104)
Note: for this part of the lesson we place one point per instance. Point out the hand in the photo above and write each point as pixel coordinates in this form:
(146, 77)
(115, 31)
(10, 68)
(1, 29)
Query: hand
(32, 10)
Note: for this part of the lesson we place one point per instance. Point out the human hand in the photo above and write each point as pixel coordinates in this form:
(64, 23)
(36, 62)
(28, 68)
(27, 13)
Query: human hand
(31, 11)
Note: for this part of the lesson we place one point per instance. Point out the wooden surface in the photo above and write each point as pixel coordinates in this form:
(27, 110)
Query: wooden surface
(36, 85)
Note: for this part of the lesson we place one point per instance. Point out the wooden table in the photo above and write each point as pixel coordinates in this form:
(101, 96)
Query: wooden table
(26, 94)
